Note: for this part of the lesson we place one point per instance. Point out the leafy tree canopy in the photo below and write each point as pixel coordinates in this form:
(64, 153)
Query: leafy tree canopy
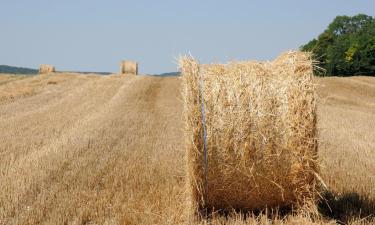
(346, 47)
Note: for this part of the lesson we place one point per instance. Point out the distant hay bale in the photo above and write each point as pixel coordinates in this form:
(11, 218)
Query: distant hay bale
(129, 67)
(45, 69)
(260, 131)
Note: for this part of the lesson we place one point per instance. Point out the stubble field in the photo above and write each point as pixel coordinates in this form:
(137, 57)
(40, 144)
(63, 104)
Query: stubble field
(88, 149)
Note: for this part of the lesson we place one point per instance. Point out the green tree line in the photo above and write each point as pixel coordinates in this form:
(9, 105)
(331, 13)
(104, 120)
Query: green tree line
(16, 70)
(346, 47)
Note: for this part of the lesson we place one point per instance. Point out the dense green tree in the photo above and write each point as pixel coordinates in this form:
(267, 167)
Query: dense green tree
(346, 47)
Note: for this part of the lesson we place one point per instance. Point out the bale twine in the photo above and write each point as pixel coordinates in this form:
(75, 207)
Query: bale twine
(129, 67)
(259, 132)
(45, 69)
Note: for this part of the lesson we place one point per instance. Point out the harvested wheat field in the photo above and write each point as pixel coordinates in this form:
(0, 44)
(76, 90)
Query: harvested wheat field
(89, 149)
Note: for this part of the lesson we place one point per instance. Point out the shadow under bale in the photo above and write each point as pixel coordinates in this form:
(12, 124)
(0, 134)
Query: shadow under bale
(271, 213)
(346, 207)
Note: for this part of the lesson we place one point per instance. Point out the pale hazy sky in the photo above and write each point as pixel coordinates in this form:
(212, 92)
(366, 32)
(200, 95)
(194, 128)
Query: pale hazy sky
(93, 35)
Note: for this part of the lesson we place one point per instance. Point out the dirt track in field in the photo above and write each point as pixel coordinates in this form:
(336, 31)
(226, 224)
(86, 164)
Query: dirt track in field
(77, 149)
(85, 149)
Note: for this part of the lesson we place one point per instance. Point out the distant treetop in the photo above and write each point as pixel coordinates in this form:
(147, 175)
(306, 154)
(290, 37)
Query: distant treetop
(346, 47)
(17, 70)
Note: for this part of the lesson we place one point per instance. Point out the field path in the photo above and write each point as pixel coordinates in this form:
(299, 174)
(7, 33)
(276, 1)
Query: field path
(93, 150)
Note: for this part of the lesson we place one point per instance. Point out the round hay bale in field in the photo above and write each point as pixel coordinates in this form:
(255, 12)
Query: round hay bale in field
(45, 69)
(251, 133)
(129, 67)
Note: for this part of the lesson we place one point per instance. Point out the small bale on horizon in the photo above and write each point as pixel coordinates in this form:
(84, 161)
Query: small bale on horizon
(45, 69)
(129, 67)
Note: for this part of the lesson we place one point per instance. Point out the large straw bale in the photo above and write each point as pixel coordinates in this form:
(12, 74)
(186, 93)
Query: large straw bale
(45, 69)
(260, 120)
(129, 67)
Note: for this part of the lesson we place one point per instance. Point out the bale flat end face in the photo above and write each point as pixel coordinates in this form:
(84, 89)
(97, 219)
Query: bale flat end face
(261, 133)
(128, 67)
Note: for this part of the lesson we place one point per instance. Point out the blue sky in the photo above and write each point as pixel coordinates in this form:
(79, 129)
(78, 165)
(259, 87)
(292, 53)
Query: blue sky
(93, 35)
